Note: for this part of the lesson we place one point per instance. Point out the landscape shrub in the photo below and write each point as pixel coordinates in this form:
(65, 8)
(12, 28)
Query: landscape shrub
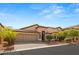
(49, 37)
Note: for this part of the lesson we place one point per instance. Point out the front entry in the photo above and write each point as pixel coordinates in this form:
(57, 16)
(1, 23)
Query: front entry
(43, 36)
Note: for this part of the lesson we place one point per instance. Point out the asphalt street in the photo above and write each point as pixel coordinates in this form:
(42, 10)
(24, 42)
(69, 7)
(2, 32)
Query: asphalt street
(60, 50)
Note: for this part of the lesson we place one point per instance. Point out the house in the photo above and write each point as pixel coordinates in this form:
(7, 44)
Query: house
(72, 27)
(34, 33)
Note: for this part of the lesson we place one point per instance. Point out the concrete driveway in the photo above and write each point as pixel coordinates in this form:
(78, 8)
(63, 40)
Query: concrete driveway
(26, 46)
(29, 46)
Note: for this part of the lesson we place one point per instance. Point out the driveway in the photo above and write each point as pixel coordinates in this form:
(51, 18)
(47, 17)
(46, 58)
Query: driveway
(29, 45)
(59, 50)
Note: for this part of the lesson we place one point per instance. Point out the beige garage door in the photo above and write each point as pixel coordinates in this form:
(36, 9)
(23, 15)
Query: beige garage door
(27, 37)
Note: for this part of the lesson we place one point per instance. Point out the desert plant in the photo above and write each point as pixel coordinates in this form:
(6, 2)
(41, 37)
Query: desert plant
(61, 36)
(49, 37)
(55, 36)
(70, 34)
(1, 34)
(9, 35)
(73, 33)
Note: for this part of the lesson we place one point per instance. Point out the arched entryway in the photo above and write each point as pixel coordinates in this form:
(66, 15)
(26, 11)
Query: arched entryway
(43, 36)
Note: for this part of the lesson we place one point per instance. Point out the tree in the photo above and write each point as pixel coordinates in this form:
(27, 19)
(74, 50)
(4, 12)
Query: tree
(69, 34)
(9, 35)
(73, 33)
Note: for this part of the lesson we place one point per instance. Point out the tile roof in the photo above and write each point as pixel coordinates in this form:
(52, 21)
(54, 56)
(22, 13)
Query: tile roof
(37, 26)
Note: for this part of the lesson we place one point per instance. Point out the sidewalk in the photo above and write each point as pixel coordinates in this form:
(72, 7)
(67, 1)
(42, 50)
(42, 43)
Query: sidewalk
(21, 47)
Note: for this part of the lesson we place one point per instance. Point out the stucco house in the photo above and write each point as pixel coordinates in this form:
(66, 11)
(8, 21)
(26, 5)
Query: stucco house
(72, 27)
(34, 33)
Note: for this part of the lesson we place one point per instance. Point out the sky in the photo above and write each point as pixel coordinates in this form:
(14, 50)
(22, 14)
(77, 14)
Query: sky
(18, 15)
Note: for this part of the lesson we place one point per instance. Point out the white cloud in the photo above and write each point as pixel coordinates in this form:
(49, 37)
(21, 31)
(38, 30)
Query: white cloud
(54, 11)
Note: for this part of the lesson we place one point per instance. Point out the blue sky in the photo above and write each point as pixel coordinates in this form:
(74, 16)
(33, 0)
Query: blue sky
(46, 14)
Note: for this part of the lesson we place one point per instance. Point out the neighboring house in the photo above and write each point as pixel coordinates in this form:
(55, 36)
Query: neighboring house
(72, 27)
(34, 33)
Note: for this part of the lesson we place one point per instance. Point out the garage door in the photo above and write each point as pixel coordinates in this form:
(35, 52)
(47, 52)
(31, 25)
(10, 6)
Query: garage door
(27, 37)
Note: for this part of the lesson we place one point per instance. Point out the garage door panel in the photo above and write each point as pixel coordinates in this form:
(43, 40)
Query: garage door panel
(26, 37)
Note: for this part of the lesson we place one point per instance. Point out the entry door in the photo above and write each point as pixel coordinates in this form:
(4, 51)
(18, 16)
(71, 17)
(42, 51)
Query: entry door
(43, 36)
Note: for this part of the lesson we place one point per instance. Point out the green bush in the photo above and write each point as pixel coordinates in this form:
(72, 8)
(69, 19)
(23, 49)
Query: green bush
(7, 34)
(10, 35)
(55, 36)
(61, 36)
(49, 37)
(70, 33)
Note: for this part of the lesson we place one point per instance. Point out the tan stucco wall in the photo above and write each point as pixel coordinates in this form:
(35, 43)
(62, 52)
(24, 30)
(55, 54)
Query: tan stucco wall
(48, 30)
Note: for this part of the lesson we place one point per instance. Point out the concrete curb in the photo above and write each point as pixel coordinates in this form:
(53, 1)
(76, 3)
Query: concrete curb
(34, 48)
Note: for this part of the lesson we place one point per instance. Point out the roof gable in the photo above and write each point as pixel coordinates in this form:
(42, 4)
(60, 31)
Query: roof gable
(36, 26)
